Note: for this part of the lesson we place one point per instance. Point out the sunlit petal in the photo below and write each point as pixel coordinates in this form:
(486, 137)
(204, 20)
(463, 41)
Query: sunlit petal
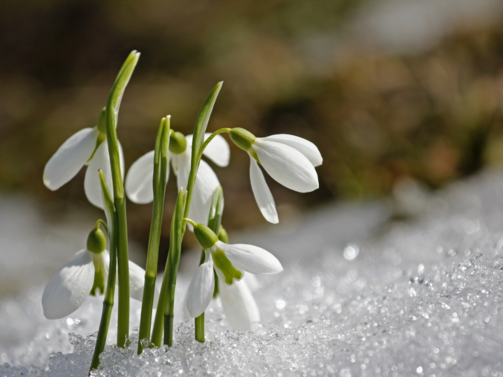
(201, 289)
(308, 149)
(92, 185)
(69, 287)
(69, 158)
(251, 281)
(239, 306)
(250, 258)
(139, 179)
(206, 183)
(262, 193)
(286, 165)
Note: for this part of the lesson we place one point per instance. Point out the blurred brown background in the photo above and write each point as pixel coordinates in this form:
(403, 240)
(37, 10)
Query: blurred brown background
(387, 89)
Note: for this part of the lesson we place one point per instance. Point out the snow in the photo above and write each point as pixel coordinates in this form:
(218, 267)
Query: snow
(359, 296)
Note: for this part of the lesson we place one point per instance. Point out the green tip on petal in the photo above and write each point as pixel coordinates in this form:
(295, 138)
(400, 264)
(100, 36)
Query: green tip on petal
(225, 265)
(242, 138)
(96, 241)
(99, 277)
(205, 236)
(177, 143)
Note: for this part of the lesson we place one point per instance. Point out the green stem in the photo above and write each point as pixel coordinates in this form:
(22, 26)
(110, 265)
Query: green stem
(111, 118)
(214, 221)
(108, 301)
(165, 305)
(209, 139)
(159, 187)
(167, 295)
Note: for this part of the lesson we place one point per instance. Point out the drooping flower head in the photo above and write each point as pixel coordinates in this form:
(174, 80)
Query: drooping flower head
(86, 274)
(289, 160)
(230, 263)
(139, 180)
(86, 147)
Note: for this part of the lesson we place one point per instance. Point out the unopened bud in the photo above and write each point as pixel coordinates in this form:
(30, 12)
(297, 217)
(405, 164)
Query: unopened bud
(242, 138)
(96, 241)
(177, 143)
(205, 236)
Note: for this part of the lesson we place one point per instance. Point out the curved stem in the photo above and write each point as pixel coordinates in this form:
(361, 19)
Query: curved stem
(209, 139)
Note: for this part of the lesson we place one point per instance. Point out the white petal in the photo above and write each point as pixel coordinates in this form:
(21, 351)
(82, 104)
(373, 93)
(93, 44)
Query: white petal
(308, 149)
(181, 167)
(206, 183)
(239, 306)
(250, 258)
(262, 194)
(286, 165)
(139, 179)
(69, 158)
(217, 150)
(251, 281)
(201, 289)
(92, 185)
(69, 287)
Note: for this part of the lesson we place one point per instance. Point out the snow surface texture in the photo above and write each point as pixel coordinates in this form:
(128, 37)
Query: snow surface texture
(359, 297)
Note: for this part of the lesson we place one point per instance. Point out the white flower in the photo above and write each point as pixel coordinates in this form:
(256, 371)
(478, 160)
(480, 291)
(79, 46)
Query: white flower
(79, 150)
(69, 287)
(139, 179)
(289, 160)
(230, 263)
(238, 303)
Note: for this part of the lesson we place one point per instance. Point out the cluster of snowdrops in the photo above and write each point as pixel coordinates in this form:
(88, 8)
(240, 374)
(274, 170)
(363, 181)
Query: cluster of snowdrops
(226, 271)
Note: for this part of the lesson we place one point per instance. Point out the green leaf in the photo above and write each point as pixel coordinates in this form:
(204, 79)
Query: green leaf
(125, 73)
(202, 120)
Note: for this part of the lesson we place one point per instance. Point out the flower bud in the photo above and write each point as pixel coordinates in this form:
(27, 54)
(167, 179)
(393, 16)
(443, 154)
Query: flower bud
(96, 241)
(102, 123)
(177, 143)
(242, 138)
(205, 236)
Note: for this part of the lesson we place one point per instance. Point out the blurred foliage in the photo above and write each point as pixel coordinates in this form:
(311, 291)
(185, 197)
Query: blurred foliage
(376, 116)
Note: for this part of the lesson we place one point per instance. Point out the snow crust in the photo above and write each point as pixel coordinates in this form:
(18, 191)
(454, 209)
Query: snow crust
(360, 296)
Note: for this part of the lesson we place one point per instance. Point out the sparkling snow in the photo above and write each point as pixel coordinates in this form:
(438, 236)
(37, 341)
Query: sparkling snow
(360, 296)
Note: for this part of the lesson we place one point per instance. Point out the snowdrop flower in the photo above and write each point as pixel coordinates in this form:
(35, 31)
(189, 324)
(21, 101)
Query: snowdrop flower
(85, 275)
(139, 179)
(86, 147)
(230, 263)
(289, 160)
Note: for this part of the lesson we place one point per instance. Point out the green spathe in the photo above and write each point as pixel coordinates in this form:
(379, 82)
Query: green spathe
(242, 138)
(96, 241)
(177, 143)
(102, 122)
(205, 236)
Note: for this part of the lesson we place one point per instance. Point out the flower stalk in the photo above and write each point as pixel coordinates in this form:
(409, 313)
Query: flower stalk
(214, 221)
(159, 187)
(108, 301)
(111, 118)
